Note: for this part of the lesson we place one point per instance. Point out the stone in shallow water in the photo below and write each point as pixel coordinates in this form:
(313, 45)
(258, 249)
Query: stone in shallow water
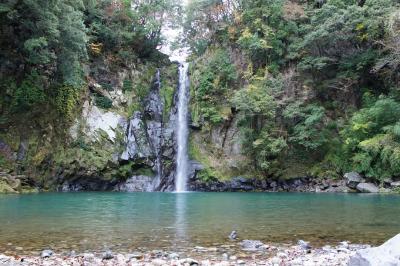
(233, 235)
(252, 245)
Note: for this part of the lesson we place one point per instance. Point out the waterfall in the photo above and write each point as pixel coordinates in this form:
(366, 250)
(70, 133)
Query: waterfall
(182, 129)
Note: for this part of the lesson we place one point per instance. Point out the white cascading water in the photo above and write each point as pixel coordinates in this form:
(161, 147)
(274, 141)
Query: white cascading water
(182, 130)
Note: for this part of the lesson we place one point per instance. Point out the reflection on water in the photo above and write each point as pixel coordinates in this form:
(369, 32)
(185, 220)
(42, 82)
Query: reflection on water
(180, 213)
(128, 221)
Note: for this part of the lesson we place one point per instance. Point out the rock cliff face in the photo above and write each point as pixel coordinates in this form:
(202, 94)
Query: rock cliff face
(121, 136)
(150, 141)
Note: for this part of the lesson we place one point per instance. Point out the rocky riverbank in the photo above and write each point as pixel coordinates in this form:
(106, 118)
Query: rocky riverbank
(351, 182)
(249, 252)
(256, 255)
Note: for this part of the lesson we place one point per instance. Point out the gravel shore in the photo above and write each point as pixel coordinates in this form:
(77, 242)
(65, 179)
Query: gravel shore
(300, 254)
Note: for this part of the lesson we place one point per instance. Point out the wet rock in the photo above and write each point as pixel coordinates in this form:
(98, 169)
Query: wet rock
(367, 188)
(233, 235)
(46, 253)
(304, 245)
(388, 254)
(107, 255)
(252, 245)
(353, 179)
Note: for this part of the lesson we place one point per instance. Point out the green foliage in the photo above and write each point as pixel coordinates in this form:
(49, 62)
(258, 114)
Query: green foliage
(66, 101)
(372, 139)
(103, 102)
(127, 85)
(256, 98)
(309, 131)
(29, 94)
(211, 82)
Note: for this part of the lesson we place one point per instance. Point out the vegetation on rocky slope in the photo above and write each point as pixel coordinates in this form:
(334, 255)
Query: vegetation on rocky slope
(312, 86)
(279, 88)
(55, 56)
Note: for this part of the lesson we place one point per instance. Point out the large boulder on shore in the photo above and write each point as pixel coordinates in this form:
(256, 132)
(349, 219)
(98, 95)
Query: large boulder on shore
(367, 188)
(388, 254)
(395, 184)
(353, 179)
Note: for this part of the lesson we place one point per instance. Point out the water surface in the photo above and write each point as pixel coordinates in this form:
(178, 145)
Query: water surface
(128, 221)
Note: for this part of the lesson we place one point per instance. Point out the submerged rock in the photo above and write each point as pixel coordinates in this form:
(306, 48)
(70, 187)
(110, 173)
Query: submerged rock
(367, 188)
(233, 235)
(252, 245)
(388, 254)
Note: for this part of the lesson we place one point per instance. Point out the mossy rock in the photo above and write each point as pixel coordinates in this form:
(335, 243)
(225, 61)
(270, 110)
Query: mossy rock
(6, 188)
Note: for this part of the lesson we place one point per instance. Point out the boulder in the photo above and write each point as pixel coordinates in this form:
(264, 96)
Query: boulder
(240, 184)
(395, 184)
(367, 188)
(388, 254)
(353, 179)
